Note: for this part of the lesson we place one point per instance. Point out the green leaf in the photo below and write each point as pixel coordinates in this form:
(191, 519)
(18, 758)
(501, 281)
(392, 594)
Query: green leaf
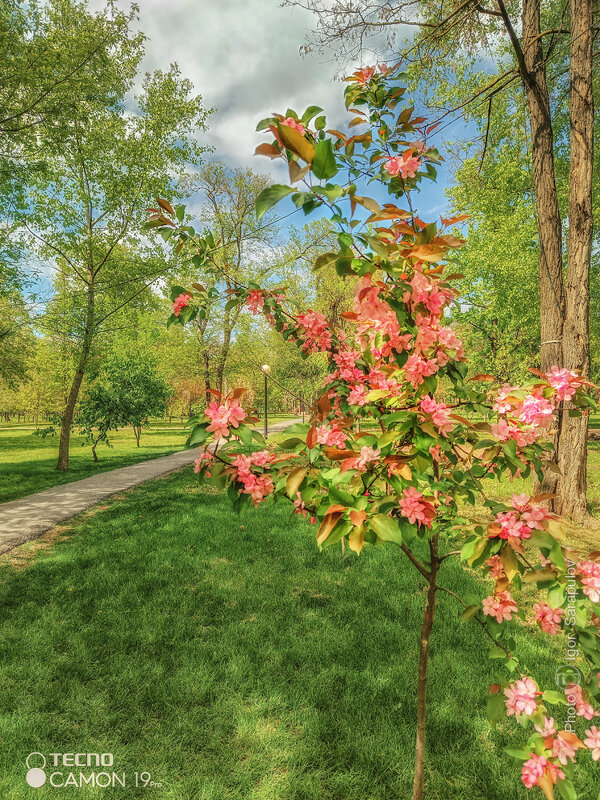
(469, 613)
(324, 260)
(198, 435)
(386, 528)
(269, 197)
(522, 753)
(324, 166)
(566, 790)
(245, 434)
(496, 709)
(555, 698)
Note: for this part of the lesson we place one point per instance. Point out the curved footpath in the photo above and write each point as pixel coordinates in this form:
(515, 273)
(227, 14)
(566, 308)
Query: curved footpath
(31, 516)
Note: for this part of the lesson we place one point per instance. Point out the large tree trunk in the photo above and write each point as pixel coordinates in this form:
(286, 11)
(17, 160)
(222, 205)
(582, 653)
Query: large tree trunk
(550, 256)
(69, 412)
(572, 459)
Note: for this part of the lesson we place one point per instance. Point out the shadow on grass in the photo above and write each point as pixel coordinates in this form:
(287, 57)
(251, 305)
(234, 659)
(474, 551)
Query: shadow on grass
(233, 660)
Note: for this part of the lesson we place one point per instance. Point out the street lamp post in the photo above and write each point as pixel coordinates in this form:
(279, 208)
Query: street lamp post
(266, 369)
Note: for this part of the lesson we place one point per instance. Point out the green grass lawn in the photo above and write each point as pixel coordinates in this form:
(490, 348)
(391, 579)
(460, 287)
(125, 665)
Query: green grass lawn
(233, 661)
(28, 463)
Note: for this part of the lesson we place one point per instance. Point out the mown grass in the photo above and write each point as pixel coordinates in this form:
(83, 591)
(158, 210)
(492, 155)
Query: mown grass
(28, 462)
(233, 661)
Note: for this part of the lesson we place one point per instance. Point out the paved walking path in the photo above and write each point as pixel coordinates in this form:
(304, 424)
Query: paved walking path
(31, 516)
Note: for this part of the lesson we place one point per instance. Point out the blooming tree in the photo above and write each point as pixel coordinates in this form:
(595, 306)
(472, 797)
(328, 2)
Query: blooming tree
(401, 442)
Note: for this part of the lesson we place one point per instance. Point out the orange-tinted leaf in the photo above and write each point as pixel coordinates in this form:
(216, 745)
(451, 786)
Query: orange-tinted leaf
(295, 142)
(338, 455)
(358, 517)
(268, 150)
(311, 437)
(356, 539)
(166, 206)
(328, 524)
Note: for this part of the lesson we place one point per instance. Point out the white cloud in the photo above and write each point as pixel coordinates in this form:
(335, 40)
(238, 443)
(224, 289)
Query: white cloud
(243, 57)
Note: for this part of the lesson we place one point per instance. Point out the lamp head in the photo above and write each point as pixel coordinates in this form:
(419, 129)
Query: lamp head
(266, 368)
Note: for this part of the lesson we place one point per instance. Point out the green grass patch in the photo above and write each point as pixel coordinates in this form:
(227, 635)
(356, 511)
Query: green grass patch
(28, 463)
(234, 661)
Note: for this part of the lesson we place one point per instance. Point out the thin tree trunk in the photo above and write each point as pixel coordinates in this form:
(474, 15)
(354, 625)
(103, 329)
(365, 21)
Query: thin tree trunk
(69, 412)
(420, 751)
(572, 457)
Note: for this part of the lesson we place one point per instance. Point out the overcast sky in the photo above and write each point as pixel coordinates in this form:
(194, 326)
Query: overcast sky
(243, 58)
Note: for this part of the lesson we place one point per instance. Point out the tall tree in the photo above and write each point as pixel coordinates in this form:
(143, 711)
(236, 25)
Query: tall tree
(538, 37)
(86, 203)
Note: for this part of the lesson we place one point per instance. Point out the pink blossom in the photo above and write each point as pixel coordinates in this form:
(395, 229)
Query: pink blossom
(317, 335)
(290, 122)
(332, 436)
(589, 572)
(417, 368)
(536, 411)
(367, 455)
(548, 617)
(436, 452)
(415, 509)
(503, 404)
(224, 416)
(511, 526)
(564, 382)
(496, 567)
(562, 750)
(358, 395)
(501, 606)
(592, 742)
(547, 729)
(198, 462)
(258, 486)
(521, 697)
(440, 414)
(180, 302)
(365, 74)
(574, 695)
(538, 766)
(406, 166)
(255, 301)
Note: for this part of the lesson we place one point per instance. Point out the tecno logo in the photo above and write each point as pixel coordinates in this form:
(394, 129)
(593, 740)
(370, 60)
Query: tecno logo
(36, 764)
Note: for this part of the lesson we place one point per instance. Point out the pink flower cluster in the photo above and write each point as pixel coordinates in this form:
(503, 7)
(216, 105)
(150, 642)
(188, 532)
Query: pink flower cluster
(537, 767)
(255, 301)
(223, 417)
(589, 572)
(207, 457)
(496, 567)
(524, 517)
(574, 695)
(180, 302)
(260, 485)
(564, 382)
(549, 618)
(501, 606)
(592, 742)
(316, 332)
(406, 165)
(415, 509)
(521, 697)
(291, 122)
(367, 456)
(417, 368)
(332, 436)
(300, 507)
(439, 412)
(536, 410)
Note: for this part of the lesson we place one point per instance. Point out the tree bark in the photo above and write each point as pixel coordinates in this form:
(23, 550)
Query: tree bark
(572, 455)
(419, 775)
(69, 412)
